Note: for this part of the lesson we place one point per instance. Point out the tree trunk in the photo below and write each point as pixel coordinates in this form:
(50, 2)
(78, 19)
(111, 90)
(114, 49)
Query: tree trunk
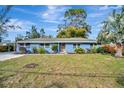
(118, 52)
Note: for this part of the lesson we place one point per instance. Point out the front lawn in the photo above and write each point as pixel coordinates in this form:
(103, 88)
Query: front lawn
(85, 70)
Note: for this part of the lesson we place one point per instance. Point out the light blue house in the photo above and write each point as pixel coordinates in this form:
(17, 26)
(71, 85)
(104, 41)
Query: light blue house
(64, 44)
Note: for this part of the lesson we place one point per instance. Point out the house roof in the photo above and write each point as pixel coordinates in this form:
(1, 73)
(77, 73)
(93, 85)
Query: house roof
(5, 44)
(58, 40)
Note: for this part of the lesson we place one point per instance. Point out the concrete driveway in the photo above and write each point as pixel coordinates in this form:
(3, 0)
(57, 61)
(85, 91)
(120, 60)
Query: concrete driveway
(9, 55)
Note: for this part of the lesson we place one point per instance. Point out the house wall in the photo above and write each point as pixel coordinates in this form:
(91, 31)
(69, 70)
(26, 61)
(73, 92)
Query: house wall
(31, 46)
(17, 47)
(69, 47)
(85, 46)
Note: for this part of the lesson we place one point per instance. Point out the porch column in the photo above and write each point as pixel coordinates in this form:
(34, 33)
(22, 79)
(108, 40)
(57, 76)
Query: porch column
(58, 48)
(44, 45)
(25, 45)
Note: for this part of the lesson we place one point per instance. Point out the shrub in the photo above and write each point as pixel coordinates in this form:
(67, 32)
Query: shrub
(93, 50)
(22, 50)
(41, 50)
(3, 48)
(101, 50)
(11, 47)
(55, 48)
(109, 49)
(34, 50)
(79, 50)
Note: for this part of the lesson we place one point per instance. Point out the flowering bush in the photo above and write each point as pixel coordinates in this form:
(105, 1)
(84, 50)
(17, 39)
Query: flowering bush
(109, 49)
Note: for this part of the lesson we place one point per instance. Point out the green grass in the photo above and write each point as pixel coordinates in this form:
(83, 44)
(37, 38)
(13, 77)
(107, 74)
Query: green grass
(85, 70)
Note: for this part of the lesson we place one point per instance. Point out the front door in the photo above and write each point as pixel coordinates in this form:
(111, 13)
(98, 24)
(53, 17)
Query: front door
(62, 47)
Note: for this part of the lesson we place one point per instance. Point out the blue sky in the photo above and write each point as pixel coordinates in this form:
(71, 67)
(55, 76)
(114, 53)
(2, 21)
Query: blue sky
(48, 17)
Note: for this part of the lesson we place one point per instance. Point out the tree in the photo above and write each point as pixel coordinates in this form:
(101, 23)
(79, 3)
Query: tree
(42, 32)
(74, 21)
(72, 31)
(50, 36)
(113, 28)
(28, 35)
(19, 37)
(34, 33)
(4, 19)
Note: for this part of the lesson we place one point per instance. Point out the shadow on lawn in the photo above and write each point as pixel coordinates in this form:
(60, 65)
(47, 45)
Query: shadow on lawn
(56, 85)
(3, 79)
(120, 81)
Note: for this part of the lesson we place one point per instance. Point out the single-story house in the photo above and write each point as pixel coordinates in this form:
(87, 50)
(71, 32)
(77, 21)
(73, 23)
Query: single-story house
(64, 44)
(7, 46)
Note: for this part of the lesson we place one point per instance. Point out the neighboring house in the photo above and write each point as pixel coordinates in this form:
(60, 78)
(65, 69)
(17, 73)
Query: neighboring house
(7, 46)
(64, 44)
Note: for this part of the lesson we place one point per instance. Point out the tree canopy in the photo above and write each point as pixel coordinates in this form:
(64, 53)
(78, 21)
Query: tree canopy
(113, 28)
(4, 19)
(33, 33)
(74, 24)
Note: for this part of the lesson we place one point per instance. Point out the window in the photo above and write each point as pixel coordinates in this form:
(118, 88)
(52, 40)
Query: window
(74, 45)
(41, 45)
(27, 44)
(78, 45)
(47, 45)
(21, 44)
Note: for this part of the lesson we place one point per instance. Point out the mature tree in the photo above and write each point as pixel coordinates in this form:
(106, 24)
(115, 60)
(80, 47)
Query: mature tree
(75, 24)
(34, 33)
(72, 31)
(113, 28)
(50, 36)
(42, 32)
(19, 37)
(28, 35)
(4, 19)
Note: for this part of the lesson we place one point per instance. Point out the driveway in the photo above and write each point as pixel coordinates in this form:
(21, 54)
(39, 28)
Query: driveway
(8, 55)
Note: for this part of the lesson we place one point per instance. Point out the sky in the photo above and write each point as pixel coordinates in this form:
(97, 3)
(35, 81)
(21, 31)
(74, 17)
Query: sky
(49, 17)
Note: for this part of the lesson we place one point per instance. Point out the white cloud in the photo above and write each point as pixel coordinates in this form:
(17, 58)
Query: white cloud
(24, 24)
(51, 21)
(106, 7)
(95, 14)
(54, 14)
